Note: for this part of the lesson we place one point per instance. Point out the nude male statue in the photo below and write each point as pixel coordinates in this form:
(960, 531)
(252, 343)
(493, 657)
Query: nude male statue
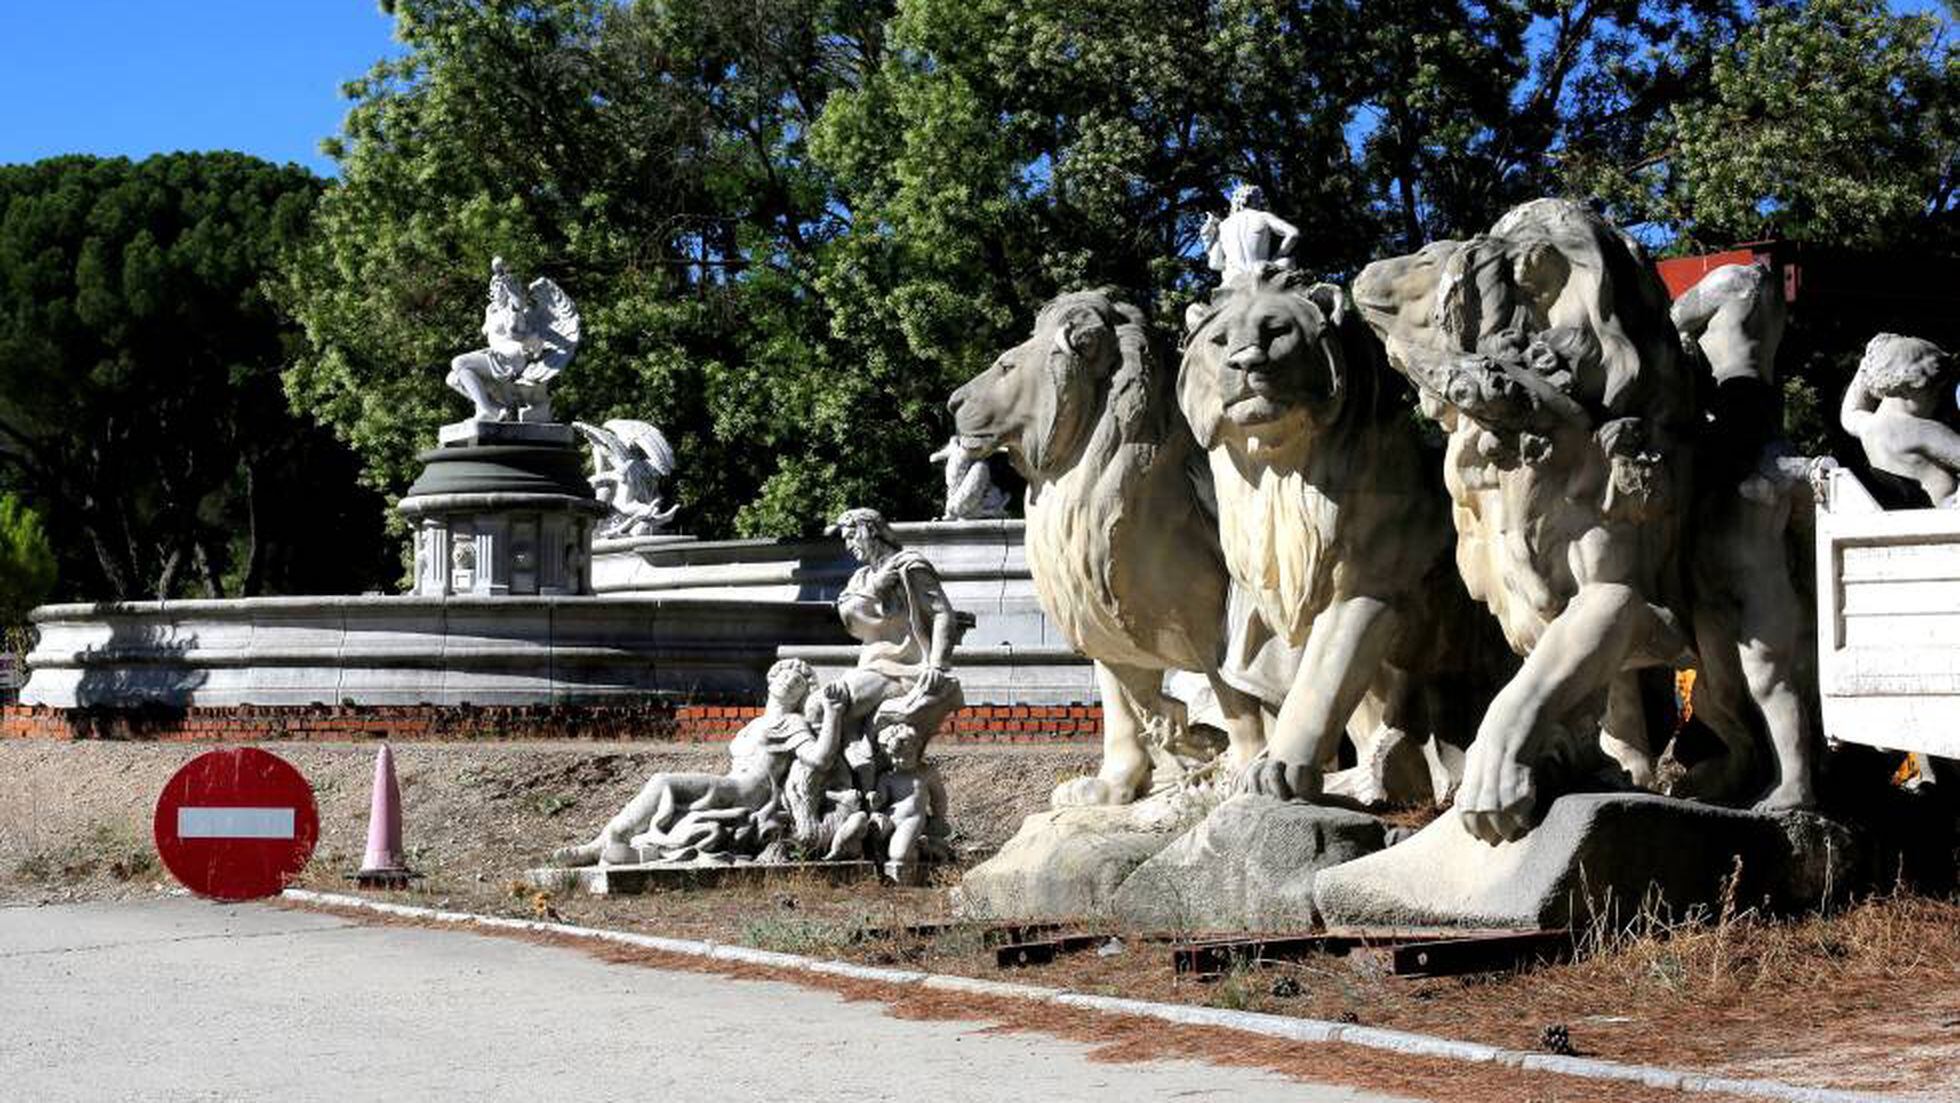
(1249, 236)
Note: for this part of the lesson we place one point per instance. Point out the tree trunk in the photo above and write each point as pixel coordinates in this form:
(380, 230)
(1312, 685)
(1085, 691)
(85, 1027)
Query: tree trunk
(254, 550)
(167, 576)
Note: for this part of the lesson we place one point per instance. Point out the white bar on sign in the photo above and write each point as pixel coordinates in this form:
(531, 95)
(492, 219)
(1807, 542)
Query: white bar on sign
(234, 823)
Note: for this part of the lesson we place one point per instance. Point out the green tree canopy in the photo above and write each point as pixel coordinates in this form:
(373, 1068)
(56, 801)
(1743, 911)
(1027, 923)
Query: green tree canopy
(27, 563)
(1827, 122)
(650, 158)
(141, 410)
(792, 227)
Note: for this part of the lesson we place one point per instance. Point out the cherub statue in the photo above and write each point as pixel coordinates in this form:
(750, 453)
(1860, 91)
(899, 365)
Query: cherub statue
(1248, 236)
(680, 816)
(970, 491)
(631, 463)
(532, 335)
(1891, 407)
(907, 821)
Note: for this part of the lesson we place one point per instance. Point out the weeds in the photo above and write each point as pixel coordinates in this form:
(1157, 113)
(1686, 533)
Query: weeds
(1738, 951)
(811, 937)
(112, 849)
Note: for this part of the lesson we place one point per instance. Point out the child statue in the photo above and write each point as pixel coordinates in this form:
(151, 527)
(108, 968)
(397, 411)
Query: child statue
(1891, 406)
(907, 821)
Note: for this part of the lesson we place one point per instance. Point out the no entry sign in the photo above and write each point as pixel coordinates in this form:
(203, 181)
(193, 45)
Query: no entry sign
(236, 824)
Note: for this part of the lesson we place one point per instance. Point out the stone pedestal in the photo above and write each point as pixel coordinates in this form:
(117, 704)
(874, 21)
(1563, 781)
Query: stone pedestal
(502, 508)
(1250, 865)
(1594, 855)
(1068, 863)
(644, 877)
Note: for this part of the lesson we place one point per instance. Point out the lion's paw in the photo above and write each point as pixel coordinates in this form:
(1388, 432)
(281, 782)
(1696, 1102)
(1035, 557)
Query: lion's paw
(1497, 796)
(1091, 791)
(1282, 780)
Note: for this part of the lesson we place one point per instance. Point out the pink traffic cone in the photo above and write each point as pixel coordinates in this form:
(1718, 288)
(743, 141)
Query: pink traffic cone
(382, 866)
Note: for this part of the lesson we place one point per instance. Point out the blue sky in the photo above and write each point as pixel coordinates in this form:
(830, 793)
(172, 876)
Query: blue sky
(136, 77)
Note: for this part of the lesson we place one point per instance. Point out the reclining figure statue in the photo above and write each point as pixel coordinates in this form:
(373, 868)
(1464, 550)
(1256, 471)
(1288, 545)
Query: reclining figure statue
(678, 817)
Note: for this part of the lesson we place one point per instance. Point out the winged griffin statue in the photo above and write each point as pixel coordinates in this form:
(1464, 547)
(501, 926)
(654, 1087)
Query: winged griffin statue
(631, 464)
(532, 333)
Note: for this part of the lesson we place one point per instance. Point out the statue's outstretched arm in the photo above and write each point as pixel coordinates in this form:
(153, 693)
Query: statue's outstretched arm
(1859, 404)
(1289, 236)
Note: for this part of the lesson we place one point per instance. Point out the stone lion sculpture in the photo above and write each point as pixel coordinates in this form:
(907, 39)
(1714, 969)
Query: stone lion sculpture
(1545, 351)
(1123, 551)
(1334, 519)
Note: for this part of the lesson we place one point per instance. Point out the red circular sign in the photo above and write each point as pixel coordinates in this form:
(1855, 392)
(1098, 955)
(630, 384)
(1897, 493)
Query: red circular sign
(236, 824)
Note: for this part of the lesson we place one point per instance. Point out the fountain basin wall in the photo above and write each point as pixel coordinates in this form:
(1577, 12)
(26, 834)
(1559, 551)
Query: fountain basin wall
(1013, 655)
(377, 650)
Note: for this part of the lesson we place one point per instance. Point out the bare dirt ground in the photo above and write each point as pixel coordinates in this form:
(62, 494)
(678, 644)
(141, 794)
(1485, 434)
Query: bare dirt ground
(1866, 999)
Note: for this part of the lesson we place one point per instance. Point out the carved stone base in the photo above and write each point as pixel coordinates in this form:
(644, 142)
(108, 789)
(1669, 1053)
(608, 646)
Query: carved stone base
(1250, 865)
(1606, 855)
(1067, 863)
(502, 508)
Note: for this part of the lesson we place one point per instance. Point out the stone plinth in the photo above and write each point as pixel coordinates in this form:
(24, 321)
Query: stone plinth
(1594, 854)
(1066, 864)
(1250, 865)
(502, 508)
(1888, 621)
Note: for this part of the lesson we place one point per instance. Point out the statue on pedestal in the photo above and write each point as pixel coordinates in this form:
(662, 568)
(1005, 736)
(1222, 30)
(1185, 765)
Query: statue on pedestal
(1336, 527)
(1121, 541)
(896, 608)
(532, 335)
(1545, 350)
(970, 491)
(835, 773)
(1248, 236)
(1891, 407)
(631, 464)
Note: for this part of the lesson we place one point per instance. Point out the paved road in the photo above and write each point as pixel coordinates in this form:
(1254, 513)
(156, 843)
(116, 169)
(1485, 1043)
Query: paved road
(177, 999)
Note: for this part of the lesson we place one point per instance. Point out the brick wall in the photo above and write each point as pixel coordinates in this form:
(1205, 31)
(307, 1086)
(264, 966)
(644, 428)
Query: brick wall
(657, 721)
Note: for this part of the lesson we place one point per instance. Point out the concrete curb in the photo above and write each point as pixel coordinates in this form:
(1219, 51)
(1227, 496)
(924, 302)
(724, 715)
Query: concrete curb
(1271, 1026)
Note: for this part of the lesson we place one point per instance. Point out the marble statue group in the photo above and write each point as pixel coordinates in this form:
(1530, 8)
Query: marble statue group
(1443, 535)
(827, 772)
(1490, 624)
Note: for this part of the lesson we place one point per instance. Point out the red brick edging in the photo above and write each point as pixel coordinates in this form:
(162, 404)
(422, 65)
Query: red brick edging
(657, 721)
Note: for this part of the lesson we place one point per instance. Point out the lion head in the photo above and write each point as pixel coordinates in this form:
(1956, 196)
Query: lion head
(1042, 400)
(1547, 265)
(1265, 359)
